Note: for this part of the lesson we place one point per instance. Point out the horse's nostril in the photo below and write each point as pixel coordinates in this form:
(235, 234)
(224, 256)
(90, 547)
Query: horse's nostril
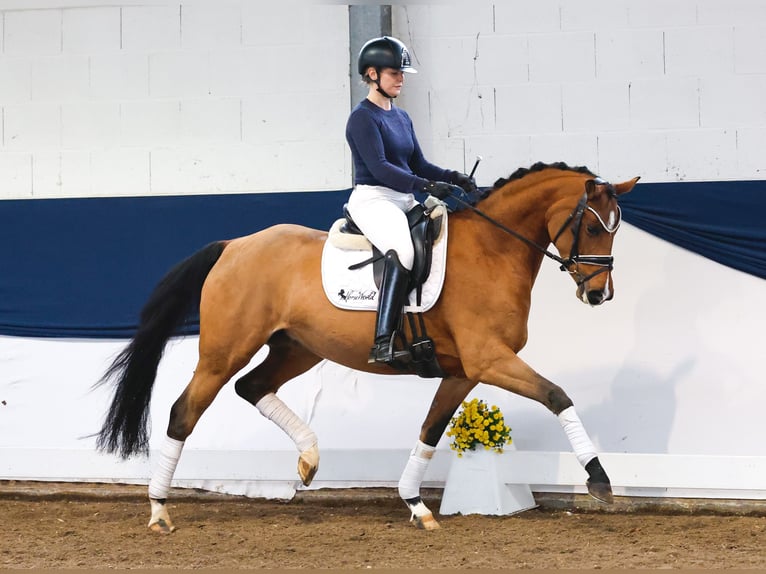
(595, 297)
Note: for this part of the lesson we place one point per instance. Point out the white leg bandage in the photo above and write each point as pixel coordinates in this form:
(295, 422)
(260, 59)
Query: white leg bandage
(278, 412)
(165, 467)
(578, 438)
(412, 477)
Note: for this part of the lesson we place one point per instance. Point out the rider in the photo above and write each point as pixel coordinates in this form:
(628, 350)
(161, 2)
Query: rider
(389, 167)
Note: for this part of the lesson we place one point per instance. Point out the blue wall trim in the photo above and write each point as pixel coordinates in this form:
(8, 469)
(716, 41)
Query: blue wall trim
(83, 268)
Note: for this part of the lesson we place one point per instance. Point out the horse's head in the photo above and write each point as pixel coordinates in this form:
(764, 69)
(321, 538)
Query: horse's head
(584, 234)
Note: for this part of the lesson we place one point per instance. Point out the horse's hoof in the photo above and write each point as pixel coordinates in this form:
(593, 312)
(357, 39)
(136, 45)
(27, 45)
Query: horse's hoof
(308, 463)
(425, 522)
(162, 527)
(601, 491)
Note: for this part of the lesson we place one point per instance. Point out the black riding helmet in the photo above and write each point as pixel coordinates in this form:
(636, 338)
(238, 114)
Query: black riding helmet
(385, 52)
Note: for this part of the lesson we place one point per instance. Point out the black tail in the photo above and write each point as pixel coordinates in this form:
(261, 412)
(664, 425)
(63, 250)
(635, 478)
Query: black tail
(135, 368)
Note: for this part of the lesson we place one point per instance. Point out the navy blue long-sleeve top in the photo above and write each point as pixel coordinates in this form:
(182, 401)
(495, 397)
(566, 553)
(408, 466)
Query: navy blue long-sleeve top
(386, 152)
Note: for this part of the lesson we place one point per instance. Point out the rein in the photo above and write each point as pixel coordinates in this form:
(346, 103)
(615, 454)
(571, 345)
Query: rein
(605, 262)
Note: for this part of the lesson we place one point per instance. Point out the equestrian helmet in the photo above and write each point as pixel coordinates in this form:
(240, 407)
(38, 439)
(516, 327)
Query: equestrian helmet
(385, 52)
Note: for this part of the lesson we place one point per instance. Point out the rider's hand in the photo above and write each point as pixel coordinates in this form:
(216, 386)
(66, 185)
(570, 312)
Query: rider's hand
(466, 182)
(441, 189)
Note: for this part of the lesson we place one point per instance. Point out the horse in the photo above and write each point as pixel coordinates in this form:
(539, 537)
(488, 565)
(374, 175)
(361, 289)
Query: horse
(265, 289)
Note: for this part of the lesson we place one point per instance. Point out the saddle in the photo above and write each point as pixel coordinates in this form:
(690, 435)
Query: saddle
(425, 229)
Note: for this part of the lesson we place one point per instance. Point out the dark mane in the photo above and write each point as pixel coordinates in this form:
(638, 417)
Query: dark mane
(484, 192)
(540, 166)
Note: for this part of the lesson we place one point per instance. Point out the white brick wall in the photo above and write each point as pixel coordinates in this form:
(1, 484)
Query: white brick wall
(749, 48)
(206, 97)
(98, 98)
(542, 16)
(16, 84)
(118, 77)
(147, 29)
(33, 126)
(210, 25)
(32, 32)
(60, 78)
(596, 106)
(629, 54)
(740, 101)
(86, 125)
(666, 90)
(750, 145)
(16, 173)
(701, 51)
(90, 30)
(664, 103)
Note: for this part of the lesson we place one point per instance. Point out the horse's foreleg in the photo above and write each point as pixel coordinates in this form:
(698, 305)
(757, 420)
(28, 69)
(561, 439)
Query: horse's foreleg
(599, 486)
(448, 397)
(516, 376)
(286, 359)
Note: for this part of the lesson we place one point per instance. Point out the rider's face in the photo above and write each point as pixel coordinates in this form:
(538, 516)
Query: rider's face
(391, 81)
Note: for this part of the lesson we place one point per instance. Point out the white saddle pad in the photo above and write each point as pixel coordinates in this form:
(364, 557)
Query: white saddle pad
(355, 290)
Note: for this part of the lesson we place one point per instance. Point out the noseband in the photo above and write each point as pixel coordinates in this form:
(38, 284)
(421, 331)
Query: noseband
(574, 221)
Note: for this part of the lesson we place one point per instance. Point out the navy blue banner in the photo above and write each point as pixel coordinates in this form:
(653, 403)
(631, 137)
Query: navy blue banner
(724, 221)
(85, 267)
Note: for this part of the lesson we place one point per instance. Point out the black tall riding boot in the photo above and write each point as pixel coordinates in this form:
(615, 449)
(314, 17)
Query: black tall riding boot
(391, 299)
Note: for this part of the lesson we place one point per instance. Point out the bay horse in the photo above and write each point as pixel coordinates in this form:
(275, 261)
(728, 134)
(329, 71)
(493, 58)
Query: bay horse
(265, 289)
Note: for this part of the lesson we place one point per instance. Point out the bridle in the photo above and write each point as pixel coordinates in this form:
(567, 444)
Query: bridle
(604, 262)
(574, 222)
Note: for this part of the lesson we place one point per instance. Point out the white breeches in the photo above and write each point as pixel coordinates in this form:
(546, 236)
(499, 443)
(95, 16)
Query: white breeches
(380, 213)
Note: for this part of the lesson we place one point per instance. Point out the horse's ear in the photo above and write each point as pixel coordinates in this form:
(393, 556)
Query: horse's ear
(625, 186)
(590, 187)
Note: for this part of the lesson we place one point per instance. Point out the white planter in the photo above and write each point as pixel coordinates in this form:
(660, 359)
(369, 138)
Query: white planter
(475, 485)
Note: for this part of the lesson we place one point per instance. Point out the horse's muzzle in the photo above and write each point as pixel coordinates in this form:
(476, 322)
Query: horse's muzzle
(594, 297)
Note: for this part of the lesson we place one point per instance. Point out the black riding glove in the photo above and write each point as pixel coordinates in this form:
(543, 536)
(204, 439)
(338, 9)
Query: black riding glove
(441, 189)
(466, 182)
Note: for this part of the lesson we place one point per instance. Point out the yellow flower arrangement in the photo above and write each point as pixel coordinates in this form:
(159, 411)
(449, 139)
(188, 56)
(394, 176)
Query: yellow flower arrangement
(478, 425)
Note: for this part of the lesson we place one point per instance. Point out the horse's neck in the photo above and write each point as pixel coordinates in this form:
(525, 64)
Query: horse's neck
(523, 206)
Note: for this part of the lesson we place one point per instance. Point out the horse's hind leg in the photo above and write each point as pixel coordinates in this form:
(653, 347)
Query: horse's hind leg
(448, 397)
(286, 359)
(184, 415)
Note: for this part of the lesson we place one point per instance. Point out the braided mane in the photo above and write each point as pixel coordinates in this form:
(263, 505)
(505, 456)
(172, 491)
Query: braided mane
(540, 166)
(483, 193)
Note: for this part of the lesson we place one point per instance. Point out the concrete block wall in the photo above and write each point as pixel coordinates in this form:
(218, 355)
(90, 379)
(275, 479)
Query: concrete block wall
(102, 99)
(671, 91)
(176, 97)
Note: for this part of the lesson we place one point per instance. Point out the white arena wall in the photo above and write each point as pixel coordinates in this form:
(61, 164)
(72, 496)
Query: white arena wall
(151, 98)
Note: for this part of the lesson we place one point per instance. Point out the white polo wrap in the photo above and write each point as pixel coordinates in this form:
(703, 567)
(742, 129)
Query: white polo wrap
(578, 438)
(159, 485)
(417, 464)
(280, 414)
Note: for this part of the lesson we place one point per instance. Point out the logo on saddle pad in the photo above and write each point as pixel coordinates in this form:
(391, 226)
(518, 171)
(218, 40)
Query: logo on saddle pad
(355, 289)
(354, 295)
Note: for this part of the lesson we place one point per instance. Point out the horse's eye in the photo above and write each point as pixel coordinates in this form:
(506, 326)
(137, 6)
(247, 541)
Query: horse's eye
(593, 229)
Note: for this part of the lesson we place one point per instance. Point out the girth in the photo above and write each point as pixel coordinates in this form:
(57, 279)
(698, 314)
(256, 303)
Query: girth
(423, 229)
